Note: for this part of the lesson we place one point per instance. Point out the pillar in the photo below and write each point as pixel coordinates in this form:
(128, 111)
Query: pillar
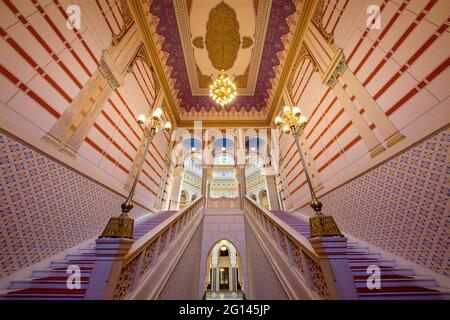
(242, 181)
(176, 187)
(71, 129)
(331, 66)
(233, 263)
(367, 135)
(272, 192)
(385, 127)
(205, 178)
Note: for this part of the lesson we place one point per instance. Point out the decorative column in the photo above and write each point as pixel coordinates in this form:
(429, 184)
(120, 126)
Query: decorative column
(233, 264)
(330, 64)
(176, 187)
(162, 189)
(214, 276)
(205, 175)
(242, 182)
(367, 136)
(272, 193)
(71, 129)
(385, 127)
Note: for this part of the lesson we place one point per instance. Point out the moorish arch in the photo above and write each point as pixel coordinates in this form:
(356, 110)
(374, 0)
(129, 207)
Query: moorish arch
(223, 268)
(211, 239)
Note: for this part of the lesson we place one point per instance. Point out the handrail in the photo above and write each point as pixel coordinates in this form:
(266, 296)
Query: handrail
(293, 234)
(129, 264)
(296, 250)
(142, 242)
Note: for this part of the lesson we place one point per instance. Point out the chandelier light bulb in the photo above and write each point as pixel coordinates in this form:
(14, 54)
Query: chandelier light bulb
(167, 126)
(157, 113)
(286, 109)
(296, 111)
(278, 120)
(286, 129)
(303, 119)
(222, 90)
(141, 119)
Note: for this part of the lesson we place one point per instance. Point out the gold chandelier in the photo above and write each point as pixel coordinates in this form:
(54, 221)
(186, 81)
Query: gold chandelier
(223, 90)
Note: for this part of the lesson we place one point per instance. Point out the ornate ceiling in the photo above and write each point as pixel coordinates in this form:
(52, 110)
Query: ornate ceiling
(249, 39)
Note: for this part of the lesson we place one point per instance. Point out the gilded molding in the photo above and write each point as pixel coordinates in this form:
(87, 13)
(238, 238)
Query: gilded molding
(108, 74)
(262, 22)
(222, 37)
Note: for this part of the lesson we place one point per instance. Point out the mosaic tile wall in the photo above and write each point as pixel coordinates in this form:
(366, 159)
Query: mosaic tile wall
(45, 207)
(403, 205)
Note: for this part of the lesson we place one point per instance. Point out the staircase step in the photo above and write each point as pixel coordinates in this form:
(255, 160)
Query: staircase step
(405, 293)
(384, 272)
(44, 292)
(86, 250)
(84, 257)
(387, 282)
(23, 296)
(65, 264)
(358, 250)
(43, 284)
(368, 256)
(57, 273)
(367, 263)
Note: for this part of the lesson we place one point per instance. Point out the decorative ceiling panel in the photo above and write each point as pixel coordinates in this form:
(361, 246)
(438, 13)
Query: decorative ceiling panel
(167, 23)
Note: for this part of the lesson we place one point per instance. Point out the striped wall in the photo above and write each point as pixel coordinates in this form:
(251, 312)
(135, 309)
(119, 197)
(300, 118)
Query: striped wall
(404, 67)
(44, 65)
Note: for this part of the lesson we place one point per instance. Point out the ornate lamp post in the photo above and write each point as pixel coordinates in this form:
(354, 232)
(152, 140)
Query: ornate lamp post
(122, 226)
(292, 121)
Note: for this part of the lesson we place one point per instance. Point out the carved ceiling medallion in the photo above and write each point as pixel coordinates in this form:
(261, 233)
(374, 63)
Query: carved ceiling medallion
(222, 38)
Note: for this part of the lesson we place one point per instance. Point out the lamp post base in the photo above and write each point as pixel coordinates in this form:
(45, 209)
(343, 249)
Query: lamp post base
(119, 227)
(323, 226)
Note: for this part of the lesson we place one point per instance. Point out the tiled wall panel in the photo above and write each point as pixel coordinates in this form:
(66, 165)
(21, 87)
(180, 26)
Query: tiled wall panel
(403, 205)
(46, 207)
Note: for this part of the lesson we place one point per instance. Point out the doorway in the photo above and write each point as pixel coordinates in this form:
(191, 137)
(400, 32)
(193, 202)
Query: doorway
(224, 279)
